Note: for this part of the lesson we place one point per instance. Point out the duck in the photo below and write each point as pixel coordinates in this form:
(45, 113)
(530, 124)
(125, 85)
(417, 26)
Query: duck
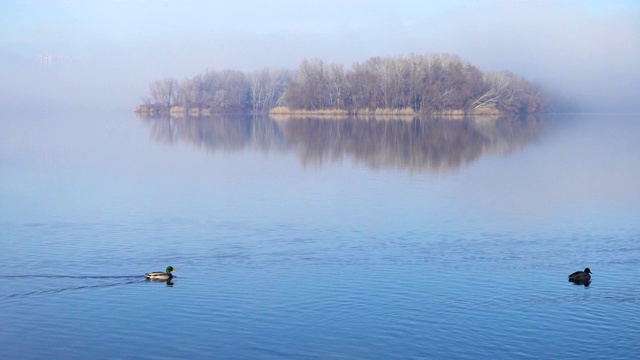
(581, 276)
(159, 275)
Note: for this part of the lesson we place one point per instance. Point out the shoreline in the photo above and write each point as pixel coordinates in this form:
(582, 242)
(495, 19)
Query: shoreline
(284, 113)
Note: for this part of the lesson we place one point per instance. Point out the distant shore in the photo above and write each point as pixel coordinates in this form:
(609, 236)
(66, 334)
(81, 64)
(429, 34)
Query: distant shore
(283, 112)
(413, 85)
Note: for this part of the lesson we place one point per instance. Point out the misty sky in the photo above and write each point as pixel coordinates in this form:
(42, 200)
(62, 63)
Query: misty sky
(587, 52)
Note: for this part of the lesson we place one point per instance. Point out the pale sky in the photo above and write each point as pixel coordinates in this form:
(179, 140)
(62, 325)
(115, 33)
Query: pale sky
(585, 51)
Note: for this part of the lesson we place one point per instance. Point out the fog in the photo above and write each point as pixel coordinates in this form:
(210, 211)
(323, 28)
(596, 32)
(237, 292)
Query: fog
(104, 53)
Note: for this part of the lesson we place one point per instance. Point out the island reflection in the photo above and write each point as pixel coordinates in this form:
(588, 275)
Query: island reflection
(418, 144)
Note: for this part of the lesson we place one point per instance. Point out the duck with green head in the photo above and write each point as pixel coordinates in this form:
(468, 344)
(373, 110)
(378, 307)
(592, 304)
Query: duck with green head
(159, 275)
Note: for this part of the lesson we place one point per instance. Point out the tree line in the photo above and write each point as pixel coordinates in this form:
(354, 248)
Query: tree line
(433, 83)
(221, 91)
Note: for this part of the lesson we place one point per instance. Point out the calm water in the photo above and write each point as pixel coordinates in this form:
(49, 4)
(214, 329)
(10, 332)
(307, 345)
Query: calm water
(319, 239)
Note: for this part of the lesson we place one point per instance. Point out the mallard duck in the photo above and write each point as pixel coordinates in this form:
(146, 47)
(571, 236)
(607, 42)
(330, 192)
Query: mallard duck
(581, 276)
(159, 275)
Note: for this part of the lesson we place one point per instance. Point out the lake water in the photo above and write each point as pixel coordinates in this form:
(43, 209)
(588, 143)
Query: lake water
(316, 238)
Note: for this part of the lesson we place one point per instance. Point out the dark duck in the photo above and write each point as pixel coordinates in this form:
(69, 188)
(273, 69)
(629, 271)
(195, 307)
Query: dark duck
(581, 277)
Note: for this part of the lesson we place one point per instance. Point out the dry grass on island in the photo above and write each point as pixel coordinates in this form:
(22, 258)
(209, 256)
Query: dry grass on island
(283, 113)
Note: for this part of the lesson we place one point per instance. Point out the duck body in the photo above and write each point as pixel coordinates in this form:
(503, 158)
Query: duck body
(581, 276)
(159, 275)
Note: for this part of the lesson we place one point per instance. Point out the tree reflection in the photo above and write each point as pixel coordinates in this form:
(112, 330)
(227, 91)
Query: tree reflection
(223, 132)
(415, 144)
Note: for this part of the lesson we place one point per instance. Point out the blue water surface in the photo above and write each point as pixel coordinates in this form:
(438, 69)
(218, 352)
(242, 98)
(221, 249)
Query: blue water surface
(319, 238)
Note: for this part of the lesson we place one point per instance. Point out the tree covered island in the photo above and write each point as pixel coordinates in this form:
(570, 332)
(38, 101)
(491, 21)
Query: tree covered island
(433, 84)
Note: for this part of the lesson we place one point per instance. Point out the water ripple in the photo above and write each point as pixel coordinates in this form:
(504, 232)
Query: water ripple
(123, 280)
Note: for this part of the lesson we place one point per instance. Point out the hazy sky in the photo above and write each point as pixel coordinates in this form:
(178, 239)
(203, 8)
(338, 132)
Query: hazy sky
(585, 51)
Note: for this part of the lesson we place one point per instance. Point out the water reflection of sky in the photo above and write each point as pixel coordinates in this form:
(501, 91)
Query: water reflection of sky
(558, 167)
(345, 250)
(565, 167)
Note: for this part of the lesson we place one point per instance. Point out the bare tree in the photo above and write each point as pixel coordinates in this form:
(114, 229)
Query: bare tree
(425, 83)
(163, 92)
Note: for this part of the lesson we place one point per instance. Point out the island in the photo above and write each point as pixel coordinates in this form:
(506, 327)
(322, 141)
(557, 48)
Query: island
(431, 84)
